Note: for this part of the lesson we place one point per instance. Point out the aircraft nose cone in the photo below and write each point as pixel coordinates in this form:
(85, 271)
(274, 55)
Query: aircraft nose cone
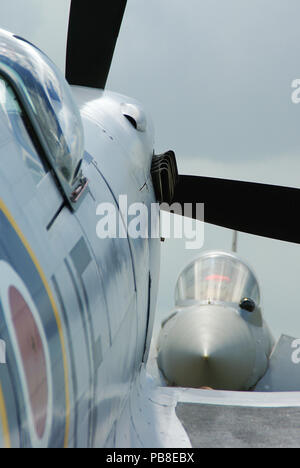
(209, 346)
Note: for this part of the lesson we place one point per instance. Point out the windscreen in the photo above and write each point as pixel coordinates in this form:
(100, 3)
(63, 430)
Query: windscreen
(217, 277)
(51, 100)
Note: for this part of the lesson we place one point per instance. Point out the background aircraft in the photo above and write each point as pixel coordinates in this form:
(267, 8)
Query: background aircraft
(36, 431)
(216, 337)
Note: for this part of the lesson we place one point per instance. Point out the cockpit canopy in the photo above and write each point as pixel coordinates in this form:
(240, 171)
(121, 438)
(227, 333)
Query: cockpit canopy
(46, 97)
(217, 277)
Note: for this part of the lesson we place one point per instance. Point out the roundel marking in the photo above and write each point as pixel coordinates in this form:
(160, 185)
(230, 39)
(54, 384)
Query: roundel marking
(33, 358)
(23, 291)
(31, 351)
(4, 421)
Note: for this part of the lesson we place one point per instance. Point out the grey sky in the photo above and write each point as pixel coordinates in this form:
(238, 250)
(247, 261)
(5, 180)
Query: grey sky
(43, 22)
(216, 77)
(221, 71)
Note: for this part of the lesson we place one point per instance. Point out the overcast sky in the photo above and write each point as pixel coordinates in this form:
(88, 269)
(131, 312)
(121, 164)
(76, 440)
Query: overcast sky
(216, 77)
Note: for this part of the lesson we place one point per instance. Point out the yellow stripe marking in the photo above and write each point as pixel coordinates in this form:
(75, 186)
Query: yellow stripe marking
(4, 421)
(57, 316)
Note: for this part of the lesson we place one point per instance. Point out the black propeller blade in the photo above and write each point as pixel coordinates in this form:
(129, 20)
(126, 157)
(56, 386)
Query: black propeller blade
(263, 210)
(93, 32)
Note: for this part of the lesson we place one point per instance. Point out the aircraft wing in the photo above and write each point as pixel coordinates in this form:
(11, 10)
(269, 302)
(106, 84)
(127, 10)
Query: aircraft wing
(165, 417)
(173, 417)
(240, 420)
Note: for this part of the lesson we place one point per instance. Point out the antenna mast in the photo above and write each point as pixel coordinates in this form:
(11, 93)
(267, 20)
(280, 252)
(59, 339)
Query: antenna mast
(235, 242)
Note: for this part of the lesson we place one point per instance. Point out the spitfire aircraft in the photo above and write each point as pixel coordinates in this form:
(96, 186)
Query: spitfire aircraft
(76, 311)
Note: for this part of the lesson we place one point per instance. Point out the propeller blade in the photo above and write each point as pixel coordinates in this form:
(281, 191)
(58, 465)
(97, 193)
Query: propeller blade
(93, 32)
(263, 210)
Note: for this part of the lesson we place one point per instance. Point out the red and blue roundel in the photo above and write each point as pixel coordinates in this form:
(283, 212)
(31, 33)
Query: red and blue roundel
(30, 325)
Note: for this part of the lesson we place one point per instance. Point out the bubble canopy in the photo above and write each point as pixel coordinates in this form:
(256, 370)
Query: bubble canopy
(217, 277)
(46, 97)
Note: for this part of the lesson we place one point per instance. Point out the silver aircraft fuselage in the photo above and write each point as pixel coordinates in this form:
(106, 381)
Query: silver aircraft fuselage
(77, 311)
